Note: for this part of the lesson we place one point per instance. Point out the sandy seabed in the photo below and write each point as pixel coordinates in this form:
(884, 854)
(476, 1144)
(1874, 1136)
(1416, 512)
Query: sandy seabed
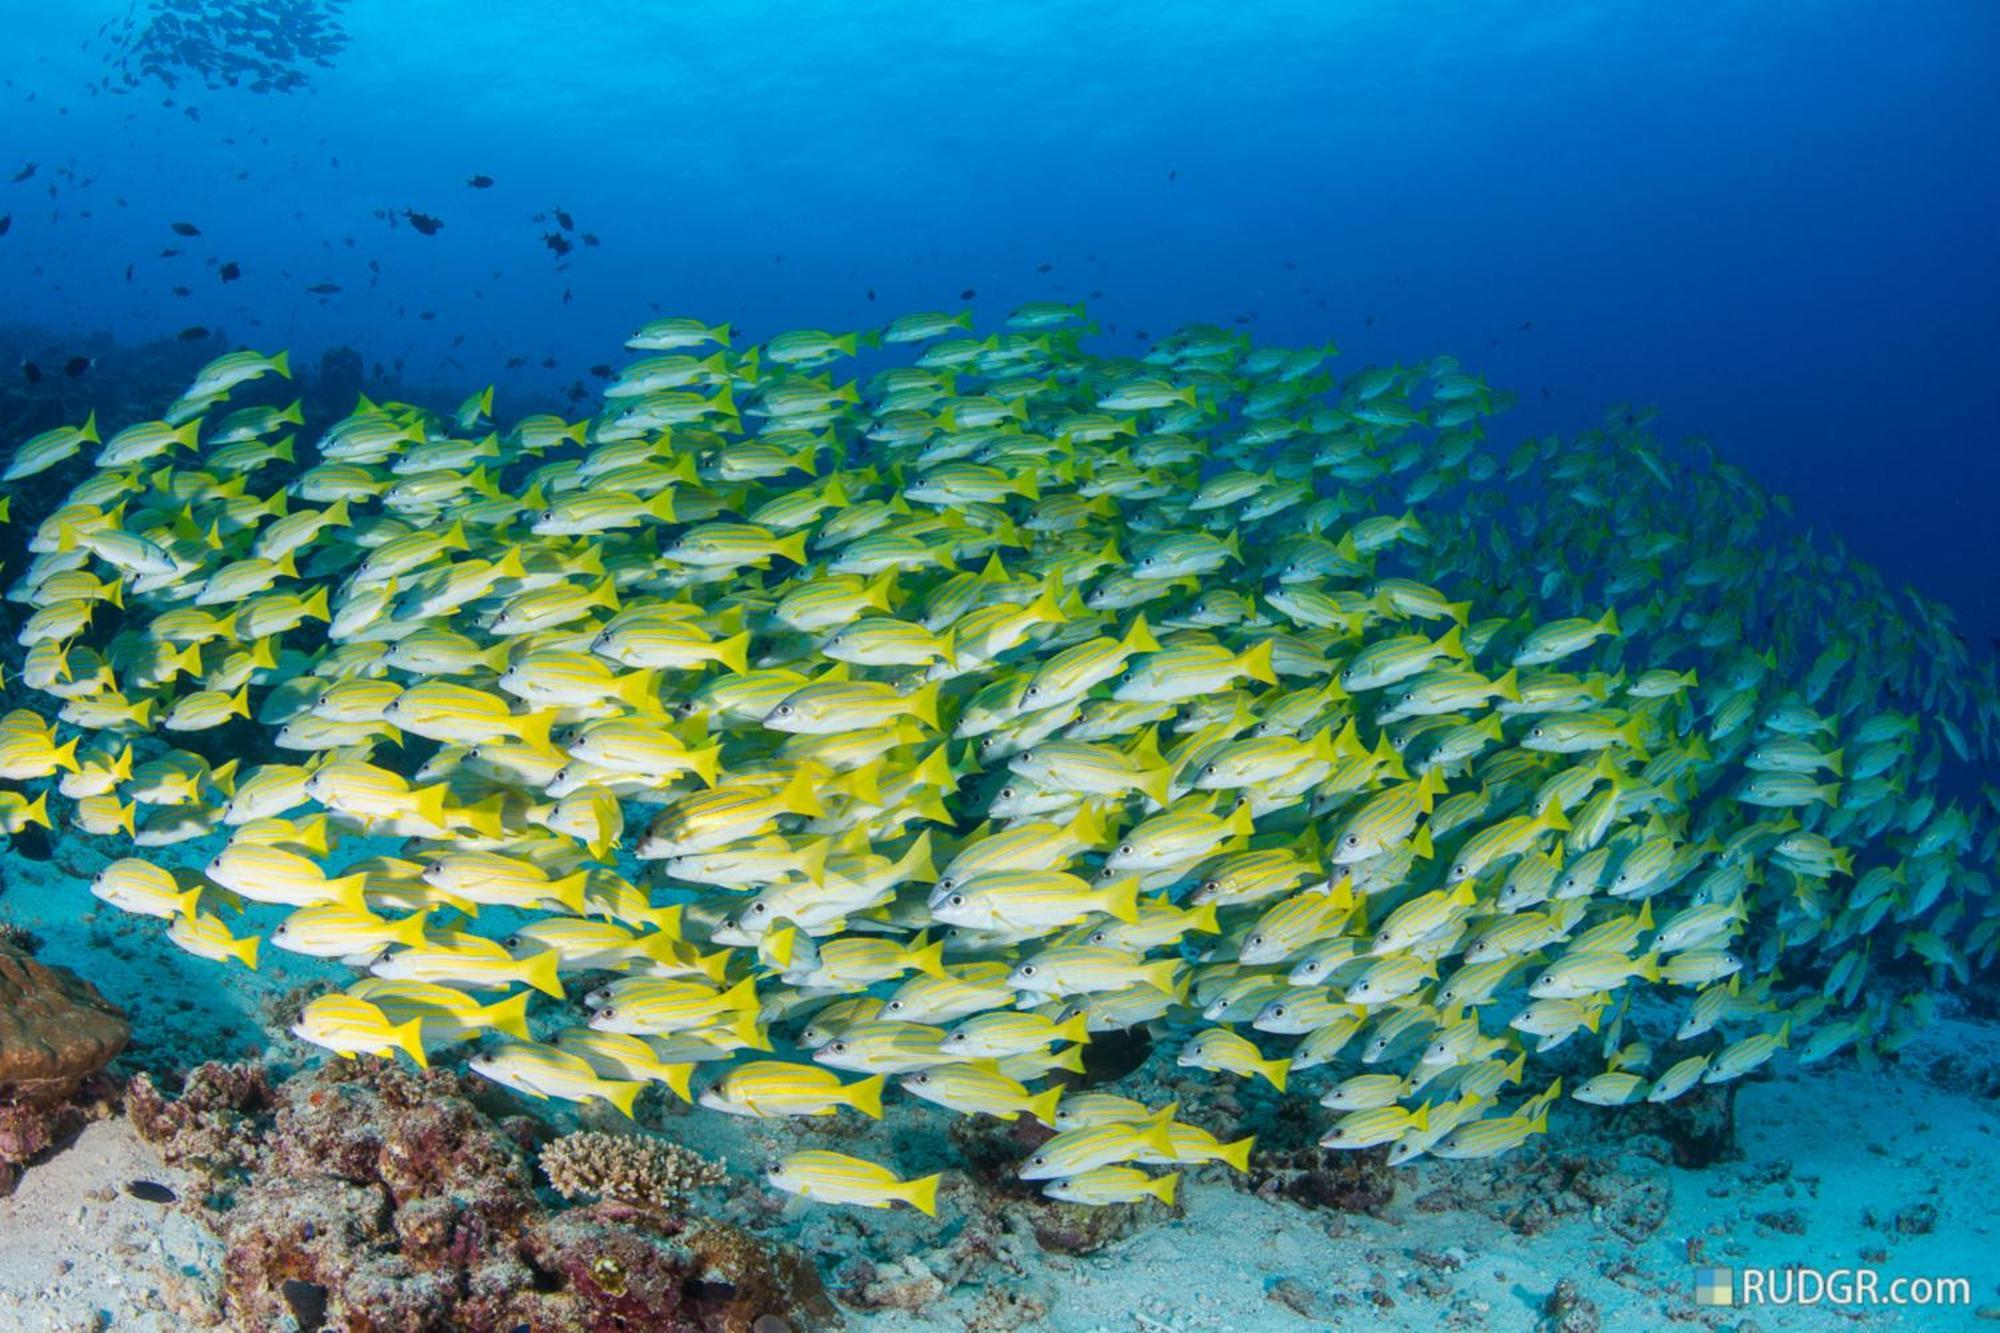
(1834, 1168)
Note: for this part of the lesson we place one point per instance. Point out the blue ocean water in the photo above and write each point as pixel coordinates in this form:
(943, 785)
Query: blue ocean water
(1773, 221)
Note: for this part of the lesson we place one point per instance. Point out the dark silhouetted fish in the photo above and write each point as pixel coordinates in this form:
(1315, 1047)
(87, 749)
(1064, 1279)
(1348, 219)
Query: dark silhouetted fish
(230, 272)
(424, 222)
(480, 182)
(33, 843)
(24, 173)
(193, 333)
(324, 288)
(186, 229)
(76, 365)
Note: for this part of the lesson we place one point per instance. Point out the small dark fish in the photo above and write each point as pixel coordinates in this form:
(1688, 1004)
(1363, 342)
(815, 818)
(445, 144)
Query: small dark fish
(33, 842)
(308, 1303)
(871, 293)
(968, 293)
(31, 372)
(169, 252)
(152, 1191)
(568, 296)
(193, 333)
(128, 271)
(548, 363)
(480, 182)
(516, 362)
(230, 272)
(24, 173)
(6, 222)
(186, 229)
(602, 372)
(1526, 324)
(564, 220)
(183, 291)
(590, 238)
(423, 222)
(557, 242)
(76, 365)
(1173, 175)
(1045, 268)
(323, 288)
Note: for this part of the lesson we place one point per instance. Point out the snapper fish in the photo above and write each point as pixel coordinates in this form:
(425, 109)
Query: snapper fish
(1000, 698)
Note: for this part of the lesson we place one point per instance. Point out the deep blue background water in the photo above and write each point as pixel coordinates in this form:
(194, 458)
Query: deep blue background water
(1774, 220)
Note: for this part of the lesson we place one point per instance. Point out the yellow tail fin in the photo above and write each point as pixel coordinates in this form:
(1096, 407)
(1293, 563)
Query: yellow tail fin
(866, 1096)
(921, 1195)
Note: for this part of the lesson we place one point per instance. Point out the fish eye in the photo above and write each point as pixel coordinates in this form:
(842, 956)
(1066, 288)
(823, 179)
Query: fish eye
(923, 1078)
(784, 710)
(1027, 969)
(1278, 1011)
(958, 900)
(1040, 1159)
(512, 942)
(1034, 690)
(893, 1007)
(1257, 938)
(774, 1168)
(838, 1048)
(1351, 840)
(1006, 793)
(1211, 770)
(1125, 850)
(607, 1012)
(1536, 732)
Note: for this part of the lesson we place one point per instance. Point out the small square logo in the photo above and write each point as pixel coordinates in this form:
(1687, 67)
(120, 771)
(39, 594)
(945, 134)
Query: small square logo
(1715, 1286)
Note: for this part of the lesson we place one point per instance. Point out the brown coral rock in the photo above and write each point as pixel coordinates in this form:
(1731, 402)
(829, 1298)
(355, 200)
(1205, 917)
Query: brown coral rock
(55, 1029)
(56, 1033)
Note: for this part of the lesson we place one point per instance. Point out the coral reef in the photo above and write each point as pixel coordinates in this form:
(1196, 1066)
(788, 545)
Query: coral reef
(641, 1172)
(212, 1125)
(56, 1036)
(371, 1198)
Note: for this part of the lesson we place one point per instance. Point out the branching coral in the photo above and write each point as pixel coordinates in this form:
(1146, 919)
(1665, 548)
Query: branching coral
(639, 1171)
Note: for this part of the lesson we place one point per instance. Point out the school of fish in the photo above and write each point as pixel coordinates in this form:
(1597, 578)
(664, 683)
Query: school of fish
(770, 736)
